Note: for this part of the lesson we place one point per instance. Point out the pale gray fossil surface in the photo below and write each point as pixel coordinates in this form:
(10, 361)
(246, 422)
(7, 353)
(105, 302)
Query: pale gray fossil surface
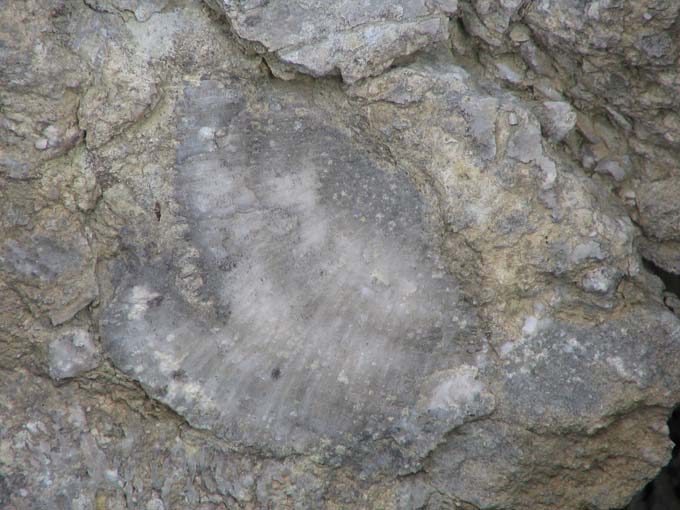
(331, 316)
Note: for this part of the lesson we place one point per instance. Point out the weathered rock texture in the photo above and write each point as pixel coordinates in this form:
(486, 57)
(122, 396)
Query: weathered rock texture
(318, 254)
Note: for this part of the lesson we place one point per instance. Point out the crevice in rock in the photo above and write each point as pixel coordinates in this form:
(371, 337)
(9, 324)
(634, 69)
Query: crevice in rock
(663, 493)
(670, 280)
(671, 283)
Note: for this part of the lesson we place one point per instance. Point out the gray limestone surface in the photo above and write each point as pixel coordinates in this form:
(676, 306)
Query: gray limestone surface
(339, 254)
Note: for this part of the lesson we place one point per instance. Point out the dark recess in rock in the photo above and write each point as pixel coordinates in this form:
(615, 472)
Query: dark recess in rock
(4, 492)
(663, 493)
(670, 280)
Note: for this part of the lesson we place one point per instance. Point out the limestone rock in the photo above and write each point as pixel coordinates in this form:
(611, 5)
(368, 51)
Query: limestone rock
(558, 118)
(448, 279)
(659, 209)
(618, 169)
(117, 98)
(52, 265)
(72, 354)
(40, 89)
(356, 39)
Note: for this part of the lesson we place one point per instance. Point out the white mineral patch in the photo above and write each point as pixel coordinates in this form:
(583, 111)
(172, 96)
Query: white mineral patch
(138, 301)
(207, 133)
(572, 345)
(167, 363)
(530, 326)
(549, 172)
(620, 366)
(507, 348)
(342, 377)
(458, 388)
(588, 250)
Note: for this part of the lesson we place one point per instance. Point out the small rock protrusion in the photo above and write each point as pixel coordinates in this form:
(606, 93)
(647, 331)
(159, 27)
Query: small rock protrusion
(601, 280)
(72, 354)
(520, 33)
(450, 7)
(155, 504)
(41, 144)
(617, 168)
(557, 118)
(672, 302)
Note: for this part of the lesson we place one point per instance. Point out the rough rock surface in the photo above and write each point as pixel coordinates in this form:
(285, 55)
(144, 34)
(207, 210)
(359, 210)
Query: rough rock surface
(355, 39)
(72, 354)
(314, 254)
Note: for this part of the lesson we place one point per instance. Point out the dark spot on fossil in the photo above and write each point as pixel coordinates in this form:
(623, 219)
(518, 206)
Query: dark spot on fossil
(223, 312)
(227, 264)
(155, 302)
(276, 373)
(157, 210)
(179, 375)
(58, 11)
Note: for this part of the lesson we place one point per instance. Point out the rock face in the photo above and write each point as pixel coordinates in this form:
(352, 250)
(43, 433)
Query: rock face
(315, 254)
(42, 264)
